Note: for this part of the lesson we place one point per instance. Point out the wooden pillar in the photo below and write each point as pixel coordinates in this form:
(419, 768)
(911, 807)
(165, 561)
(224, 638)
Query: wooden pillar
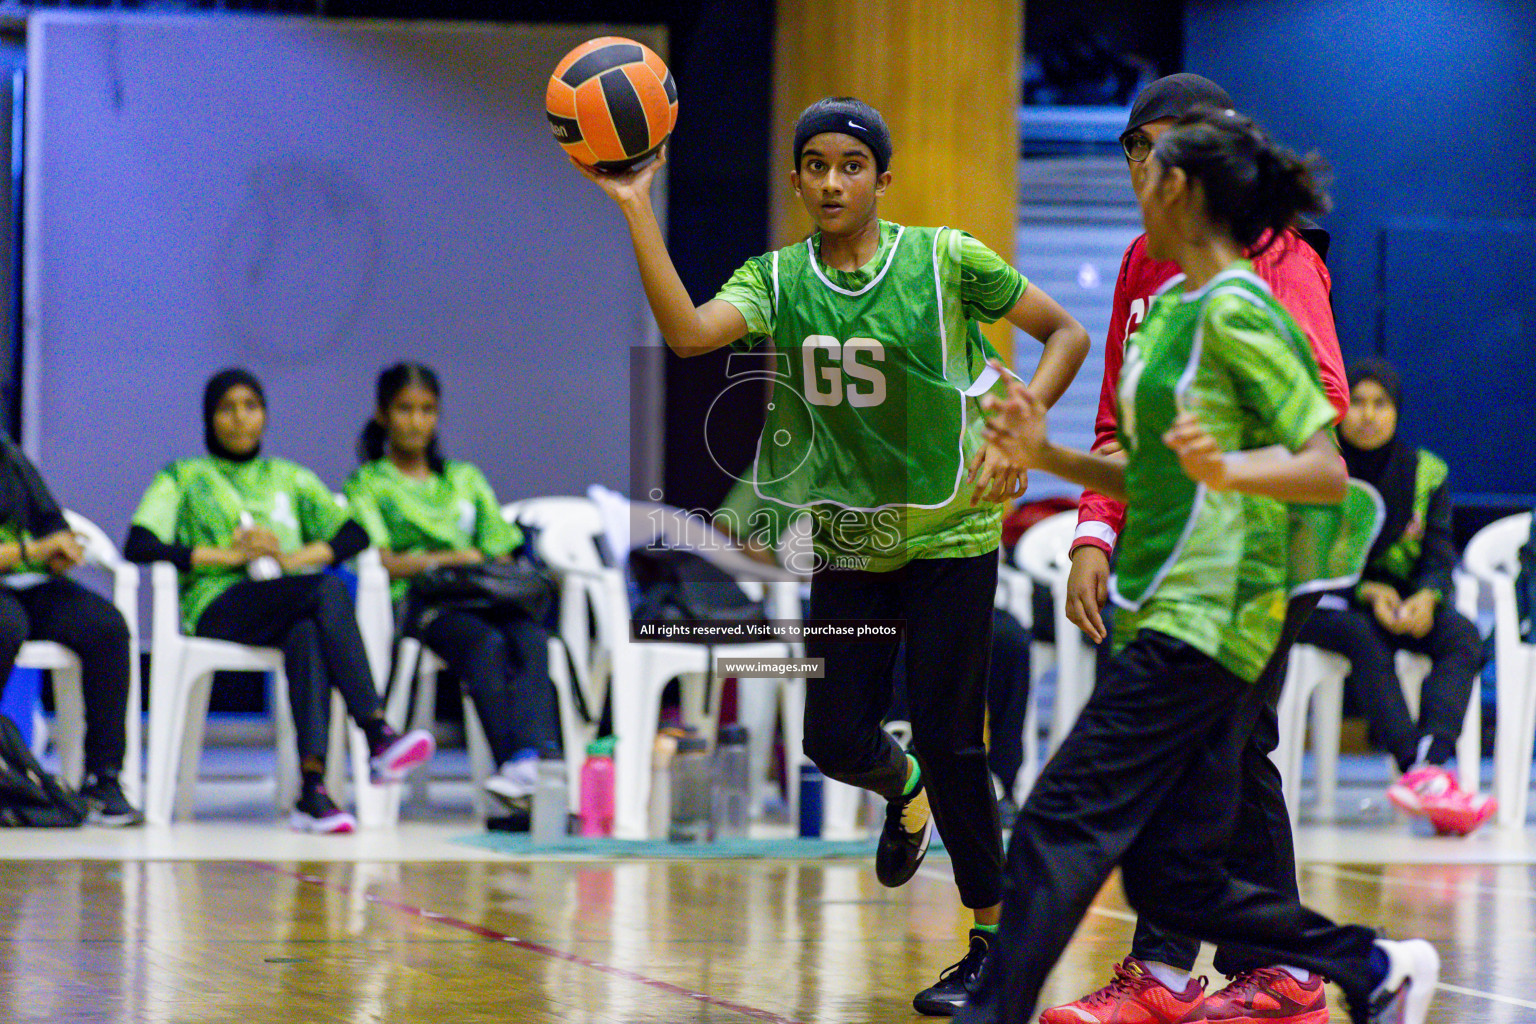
(945, 75)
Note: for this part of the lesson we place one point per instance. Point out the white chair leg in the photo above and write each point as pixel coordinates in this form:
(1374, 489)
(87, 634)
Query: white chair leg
(69, 723)
(1521, 750)
(1327, 719)
(194, 725)
(133, 734)
(756, 709)
(423, 716)
(166, 700)
(1469, 747)
(575, 731)
(1029, 768)
(792, 701)
(337, 752)
(840, 805)
(1287, 753)
(481, 762)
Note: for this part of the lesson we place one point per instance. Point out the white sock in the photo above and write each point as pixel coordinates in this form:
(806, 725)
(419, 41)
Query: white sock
(1301, 974)
(1176, 980)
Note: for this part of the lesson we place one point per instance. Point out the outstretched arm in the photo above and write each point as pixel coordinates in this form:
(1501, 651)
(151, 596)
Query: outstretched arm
(1315, 474)
(1016, 426)
(688, 330)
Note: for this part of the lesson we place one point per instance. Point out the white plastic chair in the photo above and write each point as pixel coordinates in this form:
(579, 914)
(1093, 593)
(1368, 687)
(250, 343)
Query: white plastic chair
(68, 732)
(1315, 678)
(181, 677)
(1492, 559)
(594, 595)
(1044, 553)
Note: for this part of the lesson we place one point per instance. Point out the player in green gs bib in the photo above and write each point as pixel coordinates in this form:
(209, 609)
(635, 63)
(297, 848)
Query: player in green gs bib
(1237, 497)
(874, 430)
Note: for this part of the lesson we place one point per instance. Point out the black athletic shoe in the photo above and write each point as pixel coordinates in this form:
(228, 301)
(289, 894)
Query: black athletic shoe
(958, 981)
(106, 805)
(904, 840)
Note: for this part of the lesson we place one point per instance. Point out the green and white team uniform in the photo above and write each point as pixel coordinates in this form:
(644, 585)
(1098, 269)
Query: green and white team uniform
(879, 373)
(201, 501)
(1216, 569)
(454, 510)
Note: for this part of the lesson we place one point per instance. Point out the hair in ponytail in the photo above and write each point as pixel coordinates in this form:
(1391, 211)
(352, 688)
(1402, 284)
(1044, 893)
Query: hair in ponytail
(1252, 185)
(373, 440)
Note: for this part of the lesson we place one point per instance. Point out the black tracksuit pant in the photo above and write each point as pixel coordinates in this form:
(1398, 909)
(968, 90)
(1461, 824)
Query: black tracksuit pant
(1454, 647)
(1261, 850)
(311, 618)
(61, 610)
(947, 606)
(502, 661)
(1149, 779)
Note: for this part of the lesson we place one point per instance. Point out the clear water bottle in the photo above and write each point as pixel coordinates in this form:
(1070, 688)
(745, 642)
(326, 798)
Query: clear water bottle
(732, 784)
(264, 568)
(659, 812)
(689, 783)
(551, 801)
(597, 789)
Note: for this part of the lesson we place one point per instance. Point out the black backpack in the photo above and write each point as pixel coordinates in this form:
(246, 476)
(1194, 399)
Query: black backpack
(29, 796)
(682, 587)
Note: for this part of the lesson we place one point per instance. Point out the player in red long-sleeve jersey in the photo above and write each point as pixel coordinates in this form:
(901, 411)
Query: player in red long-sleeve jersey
(1156, 976)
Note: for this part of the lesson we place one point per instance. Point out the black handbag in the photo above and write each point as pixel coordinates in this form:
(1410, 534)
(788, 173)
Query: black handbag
(519, 587)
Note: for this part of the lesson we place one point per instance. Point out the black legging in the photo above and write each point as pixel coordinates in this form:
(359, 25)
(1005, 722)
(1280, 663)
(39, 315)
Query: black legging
(311, 618)
(503, 665)
(1454, 647)
(946, 604)
(61, 610)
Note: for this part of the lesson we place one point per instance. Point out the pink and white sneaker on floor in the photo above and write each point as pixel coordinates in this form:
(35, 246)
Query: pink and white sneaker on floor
(1429, 791)
(401, 755)
(316, 812)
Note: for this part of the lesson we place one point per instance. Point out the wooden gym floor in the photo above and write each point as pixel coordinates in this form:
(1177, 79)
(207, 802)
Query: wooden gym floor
(225, 923)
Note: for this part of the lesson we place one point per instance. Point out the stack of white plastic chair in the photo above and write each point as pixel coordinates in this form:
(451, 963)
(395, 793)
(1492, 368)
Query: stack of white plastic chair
(68, 733)
(1492, 558)
(1044, 553)
(181, 677)
(639, 672)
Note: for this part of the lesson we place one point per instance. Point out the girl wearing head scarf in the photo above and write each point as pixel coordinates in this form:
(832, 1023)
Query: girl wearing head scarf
(249, 534)
(1404, 603)
(38, 601)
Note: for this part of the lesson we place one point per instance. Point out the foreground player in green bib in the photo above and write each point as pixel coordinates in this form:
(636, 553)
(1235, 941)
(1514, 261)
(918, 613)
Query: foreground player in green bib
(1213, 545)
(874, 429)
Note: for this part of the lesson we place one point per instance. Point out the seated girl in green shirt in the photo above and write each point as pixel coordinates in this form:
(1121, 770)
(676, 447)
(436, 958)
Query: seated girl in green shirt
(424, 512)
(249, 534)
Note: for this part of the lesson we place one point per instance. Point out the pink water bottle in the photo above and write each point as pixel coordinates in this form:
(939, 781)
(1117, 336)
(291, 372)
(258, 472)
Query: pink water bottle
(597, 789)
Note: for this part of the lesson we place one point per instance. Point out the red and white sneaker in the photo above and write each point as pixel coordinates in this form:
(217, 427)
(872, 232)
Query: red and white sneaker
(1430, 791)
(400, 755)
(1133, 997)
(317, 812)
(1269, 995)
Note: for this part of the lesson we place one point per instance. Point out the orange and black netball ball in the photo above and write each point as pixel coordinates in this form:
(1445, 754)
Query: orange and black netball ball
(611, 103)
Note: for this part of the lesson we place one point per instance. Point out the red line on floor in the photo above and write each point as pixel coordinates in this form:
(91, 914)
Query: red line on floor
(534, 947)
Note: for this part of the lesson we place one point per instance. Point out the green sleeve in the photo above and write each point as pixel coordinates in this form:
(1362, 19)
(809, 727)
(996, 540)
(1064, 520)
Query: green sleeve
(989, 287)
(494, 536)
(364, 507)
(320, 515)
(1269, 377)
(160, 508)
(751, 290)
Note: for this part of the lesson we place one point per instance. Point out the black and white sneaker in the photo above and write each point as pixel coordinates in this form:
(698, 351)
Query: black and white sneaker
(1403, 996)
(904, 839)
(317, 812)
(958, 982)
(106, 805)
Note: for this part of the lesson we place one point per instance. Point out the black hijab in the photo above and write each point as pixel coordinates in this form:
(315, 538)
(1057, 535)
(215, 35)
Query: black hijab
(25, 500)
(1390, 469)
(218, 386)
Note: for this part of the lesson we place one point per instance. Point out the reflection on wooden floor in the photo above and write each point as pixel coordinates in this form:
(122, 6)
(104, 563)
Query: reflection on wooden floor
(159, 942)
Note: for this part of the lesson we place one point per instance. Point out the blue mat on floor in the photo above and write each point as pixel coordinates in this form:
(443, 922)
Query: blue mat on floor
(517, 844)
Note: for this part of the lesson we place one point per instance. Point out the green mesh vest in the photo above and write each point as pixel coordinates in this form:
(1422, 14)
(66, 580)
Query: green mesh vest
(874, 408)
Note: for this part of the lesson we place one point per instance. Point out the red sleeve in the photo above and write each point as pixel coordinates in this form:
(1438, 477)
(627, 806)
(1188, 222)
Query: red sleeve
(1301, 283)
(1100, 518)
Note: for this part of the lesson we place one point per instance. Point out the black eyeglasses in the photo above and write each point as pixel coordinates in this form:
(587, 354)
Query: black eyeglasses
(1137, 146)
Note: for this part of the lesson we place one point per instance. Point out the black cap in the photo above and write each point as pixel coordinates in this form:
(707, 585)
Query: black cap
(847, 116)
(1175, 96)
